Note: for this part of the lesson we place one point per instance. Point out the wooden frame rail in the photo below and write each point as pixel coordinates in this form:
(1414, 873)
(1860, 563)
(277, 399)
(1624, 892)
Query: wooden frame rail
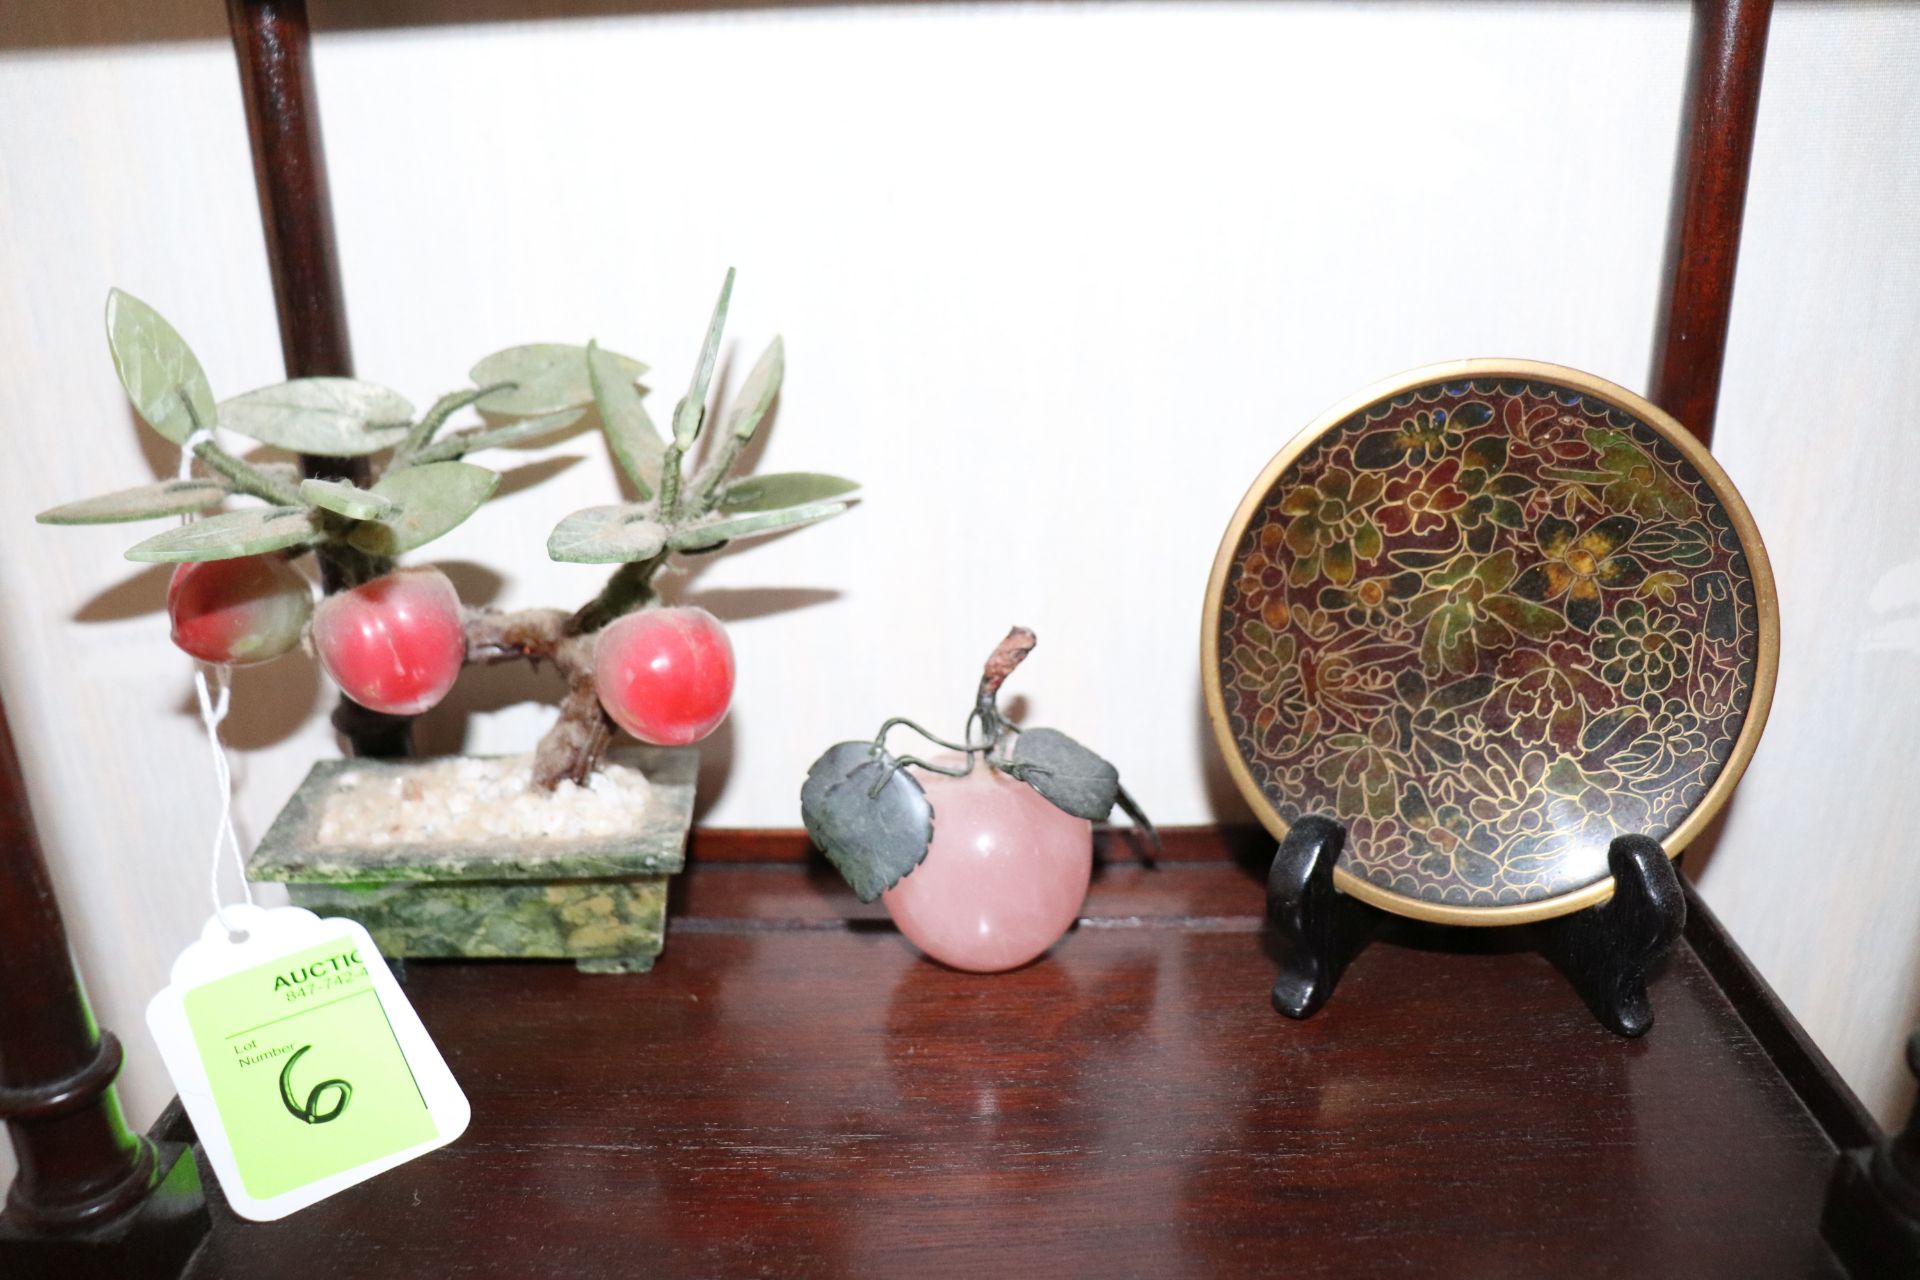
(1709, 204)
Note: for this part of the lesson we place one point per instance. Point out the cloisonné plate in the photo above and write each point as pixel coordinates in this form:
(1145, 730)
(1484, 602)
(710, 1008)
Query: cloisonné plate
(1490, 615)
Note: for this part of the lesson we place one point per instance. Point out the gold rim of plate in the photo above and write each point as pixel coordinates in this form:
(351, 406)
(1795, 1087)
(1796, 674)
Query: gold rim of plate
(1760, 570)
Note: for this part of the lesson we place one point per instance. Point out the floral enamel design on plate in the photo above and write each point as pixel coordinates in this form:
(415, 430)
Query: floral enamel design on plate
(1489, 623)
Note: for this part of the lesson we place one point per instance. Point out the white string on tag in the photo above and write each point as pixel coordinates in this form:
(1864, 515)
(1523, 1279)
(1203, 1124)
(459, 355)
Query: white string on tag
(213, 710)
(197, 437)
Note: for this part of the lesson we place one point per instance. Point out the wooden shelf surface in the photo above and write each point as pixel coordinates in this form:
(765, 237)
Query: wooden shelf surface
(794, 1091)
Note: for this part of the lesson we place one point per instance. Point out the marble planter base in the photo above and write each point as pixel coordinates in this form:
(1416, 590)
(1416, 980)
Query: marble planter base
(602, 904)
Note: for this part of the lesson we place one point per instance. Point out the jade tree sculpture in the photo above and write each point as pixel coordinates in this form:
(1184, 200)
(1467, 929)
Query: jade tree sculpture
(395, 639)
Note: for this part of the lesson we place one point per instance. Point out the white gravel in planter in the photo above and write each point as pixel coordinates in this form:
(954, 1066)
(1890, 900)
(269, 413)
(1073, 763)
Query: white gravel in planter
(463, 801)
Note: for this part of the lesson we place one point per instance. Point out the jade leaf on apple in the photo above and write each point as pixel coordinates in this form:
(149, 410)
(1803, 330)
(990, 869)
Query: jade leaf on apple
(868, 815)
(1071, 777)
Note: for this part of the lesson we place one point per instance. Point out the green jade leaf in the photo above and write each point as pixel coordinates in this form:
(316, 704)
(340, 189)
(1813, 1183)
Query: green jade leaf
(335, 417)
(547, 377)
(750, 406)
(871, 819)
(525, 431)
(607, 535)
(232, 534)
(345, 499)
(757, 392)
(782, 489)
(631, 435)
(429, 501)
(1071, 777)
(691, 411)
(707, 534)
(161, 376)
(143, 502)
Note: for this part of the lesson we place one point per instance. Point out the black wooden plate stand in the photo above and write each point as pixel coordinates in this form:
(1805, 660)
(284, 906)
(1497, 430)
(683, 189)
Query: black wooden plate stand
(1608, 952)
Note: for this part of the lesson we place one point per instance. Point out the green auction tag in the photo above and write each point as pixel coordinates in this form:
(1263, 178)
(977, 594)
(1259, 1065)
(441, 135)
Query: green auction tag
(305, 1068)
(301, 1063)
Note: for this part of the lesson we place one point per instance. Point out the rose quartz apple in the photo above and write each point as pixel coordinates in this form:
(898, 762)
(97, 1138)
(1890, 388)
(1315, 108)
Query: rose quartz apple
(665, 675)
(238, 612)
(395, 644)
(1005, 876)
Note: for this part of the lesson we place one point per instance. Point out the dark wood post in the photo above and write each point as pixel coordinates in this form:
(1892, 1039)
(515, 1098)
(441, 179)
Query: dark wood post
(1872, 1218)
(1710, 198)
(272, 43)
(1872, 1213)
(1703, 233)
(91, 1198)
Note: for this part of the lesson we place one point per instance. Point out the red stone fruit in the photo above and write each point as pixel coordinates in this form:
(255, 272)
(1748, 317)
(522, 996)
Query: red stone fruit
(238, 612)
(395, 644)
(1005, 876)
(665, 675)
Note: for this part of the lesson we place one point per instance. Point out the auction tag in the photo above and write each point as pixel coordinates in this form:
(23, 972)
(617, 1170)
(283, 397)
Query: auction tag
(300, 1061)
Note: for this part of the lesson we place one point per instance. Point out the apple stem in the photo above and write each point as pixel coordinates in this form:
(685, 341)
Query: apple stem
(1006, 656)
(897, 763)
(968, 748)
